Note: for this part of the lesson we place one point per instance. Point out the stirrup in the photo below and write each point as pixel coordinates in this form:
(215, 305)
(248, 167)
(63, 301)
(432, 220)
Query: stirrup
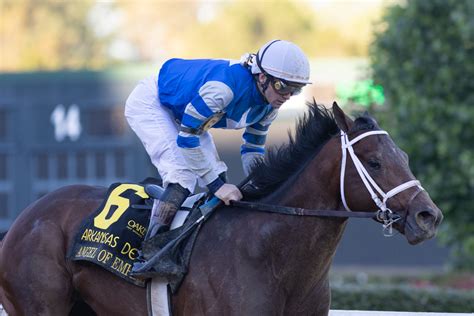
(139, 274)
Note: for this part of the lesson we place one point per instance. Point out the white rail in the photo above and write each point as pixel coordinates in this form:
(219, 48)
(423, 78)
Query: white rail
(357, 313)
(2, 311)
(379, 313)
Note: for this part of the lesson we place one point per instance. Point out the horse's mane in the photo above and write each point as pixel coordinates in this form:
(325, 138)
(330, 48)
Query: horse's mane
(313, 130)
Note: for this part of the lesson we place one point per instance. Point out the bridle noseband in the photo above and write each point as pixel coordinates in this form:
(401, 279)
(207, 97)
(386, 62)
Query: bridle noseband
(384, 214)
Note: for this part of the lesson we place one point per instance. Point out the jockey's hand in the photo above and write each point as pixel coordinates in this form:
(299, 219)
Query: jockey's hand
(228, 192)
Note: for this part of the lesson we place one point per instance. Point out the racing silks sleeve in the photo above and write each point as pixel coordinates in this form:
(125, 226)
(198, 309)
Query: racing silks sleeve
(212, 99)
(254, 138)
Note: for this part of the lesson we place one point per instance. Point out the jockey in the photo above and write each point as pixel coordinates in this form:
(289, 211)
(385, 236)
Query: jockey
(171, 114)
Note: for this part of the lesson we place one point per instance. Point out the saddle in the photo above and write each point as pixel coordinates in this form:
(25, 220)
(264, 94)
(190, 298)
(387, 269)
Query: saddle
(168, 253)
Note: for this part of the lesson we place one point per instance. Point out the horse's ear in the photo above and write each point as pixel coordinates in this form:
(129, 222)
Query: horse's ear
(343, 121)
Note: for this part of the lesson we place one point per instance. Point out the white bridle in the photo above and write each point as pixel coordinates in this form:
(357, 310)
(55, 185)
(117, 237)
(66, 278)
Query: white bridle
(384, 213)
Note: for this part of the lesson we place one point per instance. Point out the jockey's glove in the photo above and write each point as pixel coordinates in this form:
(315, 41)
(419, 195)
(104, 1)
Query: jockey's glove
(228, 192)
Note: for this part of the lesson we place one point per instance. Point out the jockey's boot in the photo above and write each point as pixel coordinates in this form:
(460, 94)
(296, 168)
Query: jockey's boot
(165, 209)
(162, 214)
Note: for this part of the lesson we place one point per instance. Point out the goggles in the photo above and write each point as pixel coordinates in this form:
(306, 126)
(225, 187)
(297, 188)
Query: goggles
(284, 87)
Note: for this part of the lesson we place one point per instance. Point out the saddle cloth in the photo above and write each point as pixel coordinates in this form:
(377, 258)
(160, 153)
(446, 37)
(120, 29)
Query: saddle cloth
(112, 235)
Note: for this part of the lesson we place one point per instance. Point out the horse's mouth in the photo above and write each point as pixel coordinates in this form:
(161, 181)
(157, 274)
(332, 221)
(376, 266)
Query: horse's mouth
(415, 234)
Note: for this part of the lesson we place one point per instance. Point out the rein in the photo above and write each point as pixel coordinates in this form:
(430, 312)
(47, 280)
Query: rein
(286, 210)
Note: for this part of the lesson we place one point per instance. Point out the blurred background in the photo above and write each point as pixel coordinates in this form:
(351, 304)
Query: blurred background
(67, 67)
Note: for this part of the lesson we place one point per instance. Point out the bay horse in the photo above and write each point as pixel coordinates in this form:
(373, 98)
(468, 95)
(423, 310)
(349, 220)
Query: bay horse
(244, 262)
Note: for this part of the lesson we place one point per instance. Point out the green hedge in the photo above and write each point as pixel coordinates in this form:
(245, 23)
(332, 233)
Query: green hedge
(423, 57)
(401, 298)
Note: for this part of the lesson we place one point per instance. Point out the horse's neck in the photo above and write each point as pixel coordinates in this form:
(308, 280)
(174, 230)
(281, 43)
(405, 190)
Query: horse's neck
(277, 255)
(311, 241)
(316, 186)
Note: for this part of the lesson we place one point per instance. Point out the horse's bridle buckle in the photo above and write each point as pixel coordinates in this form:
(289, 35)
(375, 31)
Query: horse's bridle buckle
(388, 218)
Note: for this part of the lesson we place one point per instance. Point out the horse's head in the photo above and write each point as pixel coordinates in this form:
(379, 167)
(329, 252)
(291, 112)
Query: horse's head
(376, 176)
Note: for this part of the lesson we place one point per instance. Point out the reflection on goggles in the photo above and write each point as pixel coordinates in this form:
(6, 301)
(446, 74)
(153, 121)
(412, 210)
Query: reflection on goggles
(284, 87)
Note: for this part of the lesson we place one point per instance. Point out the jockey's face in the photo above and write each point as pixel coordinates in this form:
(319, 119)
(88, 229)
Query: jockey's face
(274, 98)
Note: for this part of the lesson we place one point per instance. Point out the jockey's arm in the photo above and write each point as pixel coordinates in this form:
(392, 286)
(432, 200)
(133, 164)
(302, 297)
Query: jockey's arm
(254, 139)
(198, 117)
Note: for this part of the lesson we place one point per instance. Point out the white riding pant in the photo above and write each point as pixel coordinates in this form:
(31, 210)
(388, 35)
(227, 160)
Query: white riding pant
(156, 127)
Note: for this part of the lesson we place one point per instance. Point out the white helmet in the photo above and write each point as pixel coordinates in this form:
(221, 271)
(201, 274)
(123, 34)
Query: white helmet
(282, 60)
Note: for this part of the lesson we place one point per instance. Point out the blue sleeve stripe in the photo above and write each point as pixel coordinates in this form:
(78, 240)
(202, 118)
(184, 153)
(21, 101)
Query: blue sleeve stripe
(254, 131)
(254, 139)
(261, 127)
(191, 121)
(215, 185)
(188, 142)
(191, 110)
(244, 149)
(201, 106)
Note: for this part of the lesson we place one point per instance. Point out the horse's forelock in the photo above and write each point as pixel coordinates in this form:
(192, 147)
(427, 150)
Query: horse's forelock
(365, 122)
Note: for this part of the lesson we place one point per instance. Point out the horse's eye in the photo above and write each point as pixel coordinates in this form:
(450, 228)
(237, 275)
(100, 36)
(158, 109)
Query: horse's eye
(374, 164)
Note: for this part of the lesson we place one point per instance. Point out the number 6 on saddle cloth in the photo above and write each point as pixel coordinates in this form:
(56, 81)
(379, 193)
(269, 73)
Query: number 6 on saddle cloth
(112, 235)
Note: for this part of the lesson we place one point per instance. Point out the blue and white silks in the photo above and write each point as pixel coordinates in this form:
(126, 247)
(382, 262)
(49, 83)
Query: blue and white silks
(195, 90)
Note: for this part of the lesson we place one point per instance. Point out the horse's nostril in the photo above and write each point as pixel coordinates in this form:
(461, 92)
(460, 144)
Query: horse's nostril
(426, 218)
(425, 215)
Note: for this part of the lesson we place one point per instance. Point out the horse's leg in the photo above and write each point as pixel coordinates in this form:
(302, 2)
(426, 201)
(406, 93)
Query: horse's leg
(212, 288)
(106, 293)
(80, 308)
(34, 276)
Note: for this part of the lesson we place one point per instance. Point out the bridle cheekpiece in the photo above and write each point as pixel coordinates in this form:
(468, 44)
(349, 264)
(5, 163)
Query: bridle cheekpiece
(384, 214)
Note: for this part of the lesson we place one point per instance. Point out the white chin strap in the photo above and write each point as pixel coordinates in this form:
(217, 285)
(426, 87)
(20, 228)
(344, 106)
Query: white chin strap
(384, 214)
